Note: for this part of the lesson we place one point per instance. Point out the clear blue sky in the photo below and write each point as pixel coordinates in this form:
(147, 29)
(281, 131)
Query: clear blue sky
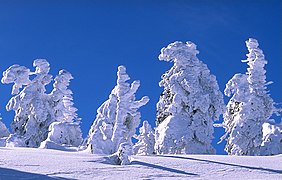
(92, 38)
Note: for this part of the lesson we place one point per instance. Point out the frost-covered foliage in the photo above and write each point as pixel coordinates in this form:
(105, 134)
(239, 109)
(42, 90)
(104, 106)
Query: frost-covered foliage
(250, 106)
(66, 130)
(272, 139)
(117, 118)
(190, 102)
(32, 113)
(4, 132)
(146, 140)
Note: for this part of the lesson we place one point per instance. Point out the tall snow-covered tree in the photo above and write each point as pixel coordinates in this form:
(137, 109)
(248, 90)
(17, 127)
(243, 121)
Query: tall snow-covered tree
(191, 100)
(250, 106)
(146, 140)
(32, 112)
(127, 115)
(65, 131)
(117, 118)
(99, 137)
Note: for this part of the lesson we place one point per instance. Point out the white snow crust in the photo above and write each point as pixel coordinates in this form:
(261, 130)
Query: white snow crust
(31, 163)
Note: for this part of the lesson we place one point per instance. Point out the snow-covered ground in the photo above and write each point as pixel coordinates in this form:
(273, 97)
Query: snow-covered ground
(29, 163)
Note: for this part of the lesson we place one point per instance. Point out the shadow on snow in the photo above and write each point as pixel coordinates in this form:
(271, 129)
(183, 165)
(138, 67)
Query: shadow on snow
(228, 164)
(162, 168)
(12, 174)
(135, 162)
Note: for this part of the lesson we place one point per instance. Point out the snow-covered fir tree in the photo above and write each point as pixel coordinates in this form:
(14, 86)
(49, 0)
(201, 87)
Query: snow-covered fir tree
(250, 106)
(32, 112)
(146, 140)
(190, 102)
(66, 130)
(117, 118)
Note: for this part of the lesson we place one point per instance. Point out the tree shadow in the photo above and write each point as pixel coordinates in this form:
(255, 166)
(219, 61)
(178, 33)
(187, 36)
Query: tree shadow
(227, 164)
(12, 174)
(162, 168)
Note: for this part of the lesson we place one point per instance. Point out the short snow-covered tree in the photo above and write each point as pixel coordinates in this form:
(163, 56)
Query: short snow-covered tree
(190, 102)
(117, 118)
(32, 113)
(250, 106)
(63, 135)
(4, 132)
(272, 139)
(122, 155)
(65, 131)
(146, 140)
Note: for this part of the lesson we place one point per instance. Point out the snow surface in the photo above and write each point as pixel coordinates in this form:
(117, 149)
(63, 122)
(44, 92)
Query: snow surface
(31, 163)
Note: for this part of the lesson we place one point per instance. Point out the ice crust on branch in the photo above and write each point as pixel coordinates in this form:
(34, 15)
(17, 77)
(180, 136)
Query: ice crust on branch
(191, 100)
(117, 118)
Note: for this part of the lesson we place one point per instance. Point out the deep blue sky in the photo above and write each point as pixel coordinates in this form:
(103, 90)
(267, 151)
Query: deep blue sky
(92, 38)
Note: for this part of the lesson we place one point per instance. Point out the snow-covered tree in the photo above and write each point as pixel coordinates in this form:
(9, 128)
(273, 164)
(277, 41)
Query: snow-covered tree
(146, 140)
(117, 118)
(272, 139)
(190, 102)
(250, 106)
(127, 115)
(66, 130)
(32, 112)
(4, 132)
(63, 135)
(61, 98)
(100, 134)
